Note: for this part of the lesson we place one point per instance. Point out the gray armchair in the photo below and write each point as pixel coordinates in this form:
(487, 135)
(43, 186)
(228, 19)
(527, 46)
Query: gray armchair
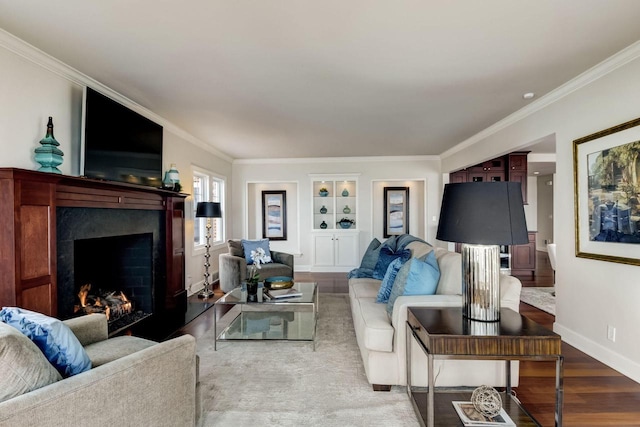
(233, 266)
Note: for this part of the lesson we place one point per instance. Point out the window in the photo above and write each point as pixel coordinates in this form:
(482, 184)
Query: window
(207, 188)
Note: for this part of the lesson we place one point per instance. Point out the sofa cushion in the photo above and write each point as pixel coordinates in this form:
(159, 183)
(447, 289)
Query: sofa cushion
(370, 257)
(377, 330)
(59, 345)
(252, 245)
(106, 351)
(23, 367)
(419, 248)
(419, 276)
(385, 258)
(387, 281)
(364, 287)
(235, 248)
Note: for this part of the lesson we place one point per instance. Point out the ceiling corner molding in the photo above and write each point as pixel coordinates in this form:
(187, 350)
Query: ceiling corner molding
(596, 72)
(303, 160)
(59, 68)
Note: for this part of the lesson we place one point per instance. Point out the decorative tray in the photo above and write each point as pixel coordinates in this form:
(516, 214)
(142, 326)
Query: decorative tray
(278, 282)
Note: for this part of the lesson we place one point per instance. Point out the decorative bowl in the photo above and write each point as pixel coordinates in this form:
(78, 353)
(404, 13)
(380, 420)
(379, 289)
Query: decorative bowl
(324, 193)
(278, 282)
(345, 224)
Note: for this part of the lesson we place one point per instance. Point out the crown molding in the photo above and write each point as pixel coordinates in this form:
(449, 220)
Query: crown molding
(605, 67)
(363, 159)
(49, 63)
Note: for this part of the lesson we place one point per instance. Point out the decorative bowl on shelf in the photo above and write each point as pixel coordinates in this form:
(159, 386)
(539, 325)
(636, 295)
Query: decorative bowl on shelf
(323, 192)
(346, 223)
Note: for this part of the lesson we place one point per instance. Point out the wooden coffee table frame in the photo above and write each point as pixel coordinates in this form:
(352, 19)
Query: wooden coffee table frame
(443, 333)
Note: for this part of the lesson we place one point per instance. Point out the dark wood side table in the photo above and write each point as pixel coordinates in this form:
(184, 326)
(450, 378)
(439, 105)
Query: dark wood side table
(444, 333)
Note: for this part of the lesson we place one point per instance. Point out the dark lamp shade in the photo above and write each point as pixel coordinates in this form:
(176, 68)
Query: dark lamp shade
(208, 210)
(483, 213)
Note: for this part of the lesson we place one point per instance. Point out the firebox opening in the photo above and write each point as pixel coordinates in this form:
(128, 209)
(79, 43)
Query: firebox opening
(114, 276)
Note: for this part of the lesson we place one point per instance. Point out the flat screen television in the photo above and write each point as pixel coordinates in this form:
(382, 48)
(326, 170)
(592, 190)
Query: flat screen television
(119, 144)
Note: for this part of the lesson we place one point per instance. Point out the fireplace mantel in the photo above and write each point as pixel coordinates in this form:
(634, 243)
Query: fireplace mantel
(28, 202)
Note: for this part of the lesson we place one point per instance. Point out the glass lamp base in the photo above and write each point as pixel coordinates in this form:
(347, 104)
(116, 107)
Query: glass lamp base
(481, 282)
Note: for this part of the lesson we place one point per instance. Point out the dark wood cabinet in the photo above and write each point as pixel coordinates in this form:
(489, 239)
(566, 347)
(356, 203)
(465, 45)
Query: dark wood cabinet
(523, 257)
(517, 171)
(512, 167)
(28, 254)
(458, 177)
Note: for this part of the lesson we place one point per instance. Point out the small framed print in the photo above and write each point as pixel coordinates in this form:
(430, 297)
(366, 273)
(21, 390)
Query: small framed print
(396, 211)
(274, 215)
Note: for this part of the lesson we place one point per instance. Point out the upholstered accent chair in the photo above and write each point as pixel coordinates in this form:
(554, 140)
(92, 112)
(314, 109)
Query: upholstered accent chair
(234, 268)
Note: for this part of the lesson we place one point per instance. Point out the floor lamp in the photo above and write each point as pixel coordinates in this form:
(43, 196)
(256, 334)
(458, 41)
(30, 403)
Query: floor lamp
(482, 216)
(207, 210)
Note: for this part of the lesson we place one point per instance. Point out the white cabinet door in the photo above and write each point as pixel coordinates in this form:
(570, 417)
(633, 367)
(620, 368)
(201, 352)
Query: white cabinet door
(324, 248)
(346, 250)
(335, 252)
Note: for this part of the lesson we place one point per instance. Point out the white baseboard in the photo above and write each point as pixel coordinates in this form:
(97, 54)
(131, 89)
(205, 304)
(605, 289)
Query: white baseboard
(610, 358)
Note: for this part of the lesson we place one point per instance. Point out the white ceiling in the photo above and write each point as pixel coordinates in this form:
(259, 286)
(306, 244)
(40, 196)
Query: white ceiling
(300, 78)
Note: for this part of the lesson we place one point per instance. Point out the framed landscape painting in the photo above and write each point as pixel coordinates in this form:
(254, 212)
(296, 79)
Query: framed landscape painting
(396, 211)
(607, 194)
(274, 215)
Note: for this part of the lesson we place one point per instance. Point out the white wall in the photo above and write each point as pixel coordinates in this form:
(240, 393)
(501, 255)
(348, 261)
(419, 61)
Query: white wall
(590, 294)
(545, 211)
(34, 87)
(422, 174)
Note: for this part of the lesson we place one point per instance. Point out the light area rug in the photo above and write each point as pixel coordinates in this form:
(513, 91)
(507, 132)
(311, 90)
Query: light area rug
(540, 297)
(288, 384)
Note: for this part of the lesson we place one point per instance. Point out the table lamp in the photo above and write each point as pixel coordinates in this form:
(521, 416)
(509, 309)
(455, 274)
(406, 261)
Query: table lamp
(207, 210)
(482, 216)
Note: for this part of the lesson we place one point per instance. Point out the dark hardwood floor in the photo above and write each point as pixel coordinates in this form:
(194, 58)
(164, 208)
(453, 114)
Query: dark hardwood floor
(594, 394)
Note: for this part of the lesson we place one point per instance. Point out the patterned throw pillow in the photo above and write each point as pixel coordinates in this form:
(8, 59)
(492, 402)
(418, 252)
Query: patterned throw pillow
(419, 276)
(385, 258)
(387, 281)
(252, 245)
(58, 343)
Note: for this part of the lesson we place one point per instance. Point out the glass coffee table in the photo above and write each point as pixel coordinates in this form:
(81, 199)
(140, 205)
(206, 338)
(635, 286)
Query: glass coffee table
(286, 319)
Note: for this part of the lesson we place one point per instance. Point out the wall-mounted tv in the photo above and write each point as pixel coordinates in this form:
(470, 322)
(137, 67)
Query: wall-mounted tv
(119, 144)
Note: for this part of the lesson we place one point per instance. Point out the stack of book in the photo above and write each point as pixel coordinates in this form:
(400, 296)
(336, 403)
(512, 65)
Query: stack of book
(470, 417)
(278, 294)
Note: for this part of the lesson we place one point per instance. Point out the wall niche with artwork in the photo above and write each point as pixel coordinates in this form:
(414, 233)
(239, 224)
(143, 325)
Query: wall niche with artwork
(272, 212)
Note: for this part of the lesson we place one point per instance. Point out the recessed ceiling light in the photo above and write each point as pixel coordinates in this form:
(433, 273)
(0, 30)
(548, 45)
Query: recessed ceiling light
(528, 95)
(536, 173)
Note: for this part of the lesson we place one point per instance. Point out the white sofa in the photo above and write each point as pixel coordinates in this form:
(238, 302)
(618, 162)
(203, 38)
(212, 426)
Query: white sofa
(383, 342)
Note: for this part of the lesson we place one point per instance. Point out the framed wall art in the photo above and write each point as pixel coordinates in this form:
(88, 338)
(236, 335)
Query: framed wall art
(274, 215)
(606, 171)
(396, 211)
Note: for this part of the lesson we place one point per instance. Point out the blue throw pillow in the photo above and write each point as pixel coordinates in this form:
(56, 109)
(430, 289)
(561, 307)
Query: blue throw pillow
(370, 257)
(385, 258)
(387, 281)
(252, 245)
(58, 343)
(419, 276)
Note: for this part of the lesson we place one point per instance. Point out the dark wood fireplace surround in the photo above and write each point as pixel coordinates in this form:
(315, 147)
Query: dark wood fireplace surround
(28, 202)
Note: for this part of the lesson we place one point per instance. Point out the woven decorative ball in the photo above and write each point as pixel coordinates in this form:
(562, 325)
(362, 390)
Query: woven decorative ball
(486, 400)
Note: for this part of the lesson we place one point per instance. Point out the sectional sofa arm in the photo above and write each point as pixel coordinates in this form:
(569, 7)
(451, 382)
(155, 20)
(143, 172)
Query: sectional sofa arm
(155, 386)
(90, 328)
(282, 258)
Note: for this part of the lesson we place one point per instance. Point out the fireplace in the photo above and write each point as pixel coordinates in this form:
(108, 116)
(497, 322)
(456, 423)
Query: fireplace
(43, 214)
(114, 251)
(114, 276)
